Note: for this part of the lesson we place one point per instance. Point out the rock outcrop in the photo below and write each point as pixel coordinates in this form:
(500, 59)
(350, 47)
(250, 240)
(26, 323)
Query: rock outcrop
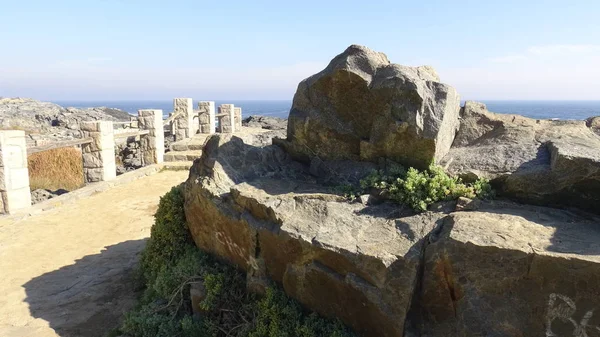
(536, 161)
(594, 124)
(512, 270)
(259, 210)
(362, 107)
(469, 268)
(495, 271)
(45, 121)
(265, 122)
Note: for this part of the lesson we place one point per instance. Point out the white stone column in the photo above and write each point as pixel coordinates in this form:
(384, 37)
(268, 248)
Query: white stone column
(99, 156)
(14, 175)
(227, 122)
(238, 118)
(185, 121)
(152, 144)
(206, 117)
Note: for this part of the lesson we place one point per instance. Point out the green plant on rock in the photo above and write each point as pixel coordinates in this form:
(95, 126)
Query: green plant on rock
(419, 189)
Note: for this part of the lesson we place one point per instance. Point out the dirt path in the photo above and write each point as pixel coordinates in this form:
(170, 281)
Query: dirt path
(68, 271)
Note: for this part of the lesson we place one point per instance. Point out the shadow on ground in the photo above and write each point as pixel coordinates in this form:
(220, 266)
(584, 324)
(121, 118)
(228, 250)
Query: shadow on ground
(87, 298)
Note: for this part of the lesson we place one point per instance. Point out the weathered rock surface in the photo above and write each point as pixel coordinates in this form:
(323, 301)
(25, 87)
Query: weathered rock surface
(259, 210)
(40, 195)
(497, 270)
(594, 124)
(362, 107)
(510, 270)
(265, 122)
(536, 161)
(47, 122)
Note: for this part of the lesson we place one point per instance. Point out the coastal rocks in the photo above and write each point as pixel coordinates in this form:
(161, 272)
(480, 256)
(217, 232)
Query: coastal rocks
(510, 270)
(251, 205)
(594, 124)
(362, 107)
(535, 161)
(46, 122)
(265, 122)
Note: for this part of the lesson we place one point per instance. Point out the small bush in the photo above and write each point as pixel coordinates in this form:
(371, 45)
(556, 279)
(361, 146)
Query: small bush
(169, 236)
(171, 263)
(419, 189)
(56, 169)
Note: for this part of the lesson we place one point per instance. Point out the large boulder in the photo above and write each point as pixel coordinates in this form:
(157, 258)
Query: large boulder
(509, 270)
(362, 107)
(496, 270)
(535, 161)
(257, 209)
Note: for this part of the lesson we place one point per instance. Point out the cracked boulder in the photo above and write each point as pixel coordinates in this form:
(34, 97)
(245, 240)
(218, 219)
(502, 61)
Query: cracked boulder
(362, 107)
(509, 270)
(256, 208)
(543, 162)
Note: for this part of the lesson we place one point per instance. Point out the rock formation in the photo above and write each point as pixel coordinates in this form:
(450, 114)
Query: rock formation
(476, 268)
(45, 121)
(594, 124)
(362, 107)
(537, 161)
(265, 122)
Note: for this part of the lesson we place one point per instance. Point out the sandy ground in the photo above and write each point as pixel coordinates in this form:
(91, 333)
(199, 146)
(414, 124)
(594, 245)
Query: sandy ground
(69, 271)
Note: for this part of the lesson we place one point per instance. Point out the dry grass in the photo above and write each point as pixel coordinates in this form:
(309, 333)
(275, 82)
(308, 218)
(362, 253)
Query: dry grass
(56, 169)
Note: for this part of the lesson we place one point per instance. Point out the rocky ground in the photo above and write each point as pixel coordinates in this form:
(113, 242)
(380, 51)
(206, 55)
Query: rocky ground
(266, 122)
(48, 122)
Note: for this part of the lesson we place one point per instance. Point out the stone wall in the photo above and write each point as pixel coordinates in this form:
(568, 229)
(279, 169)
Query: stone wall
(238, 117)
(227, 118)
(14, 176)
(153, 144)
(98, 156)
(206, 117)
(183, 126)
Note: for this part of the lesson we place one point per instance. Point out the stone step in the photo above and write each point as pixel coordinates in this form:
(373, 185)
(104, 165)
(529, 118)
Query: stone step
(182, 155)
(177, 165)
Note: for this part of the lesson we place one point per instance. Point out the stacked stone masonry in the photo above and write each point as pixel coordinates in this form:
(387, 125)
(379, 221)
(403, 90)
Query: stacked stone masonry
(227, 118)
(206, 117)
(238, 118)
(152, 144)
(98, 156)
(14, 176)
(184, 122)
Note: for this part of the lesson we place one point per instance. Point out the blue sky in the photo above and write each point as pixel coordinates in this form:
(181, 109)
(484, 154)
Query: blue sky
(130, 49)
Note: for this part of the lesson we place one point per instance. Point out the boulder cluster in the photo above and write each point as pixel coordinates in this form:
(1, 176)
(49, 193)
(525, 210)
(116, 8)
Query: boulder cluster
(505, 267)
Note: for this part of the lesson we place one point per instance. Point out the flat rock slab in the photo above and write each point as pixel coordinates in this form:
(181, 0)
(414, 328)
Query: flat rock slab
(509, 270)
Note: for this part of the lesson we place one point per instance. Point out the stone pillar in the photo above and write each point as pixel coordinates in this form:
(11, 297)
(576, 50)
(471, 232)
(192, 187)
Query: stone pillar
(227, 119)
(206, 117)
(14, 175)
(98, 156)
(238, 118)
(184, 108)
(152, 144)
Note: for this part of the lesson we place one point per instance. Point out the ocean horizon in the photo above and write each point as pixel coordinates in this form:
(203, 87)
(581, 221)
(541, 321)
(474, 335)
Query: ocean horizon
(537, 109)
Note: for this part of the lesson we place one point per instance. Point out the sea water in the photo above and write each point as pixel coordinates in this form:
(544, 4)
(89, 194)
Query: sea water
(533, 109)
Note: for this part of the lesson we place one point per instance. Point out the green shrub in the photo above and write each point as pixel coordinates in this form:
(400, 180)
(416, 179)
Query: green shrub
(171, 263)
(419, 189)
(169, 236)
